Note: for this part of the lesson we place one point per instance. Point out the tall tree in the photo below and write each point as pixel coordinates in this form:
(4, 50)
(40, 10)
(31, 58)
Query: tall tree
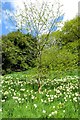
(18, 51)
(70, 32)
(37, 19)
(67, 42)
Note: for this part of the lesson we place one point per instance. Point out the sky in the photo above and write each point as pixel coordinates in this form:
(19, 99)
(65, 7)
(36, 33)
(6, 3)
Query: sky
(70, 8)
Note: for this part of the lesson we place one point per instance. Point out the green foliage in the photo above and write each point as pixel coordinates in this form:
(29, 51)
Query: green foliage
(60, 60)
(19, 51)
(70, 32)
(58, 98)
(63, 55)
(60, 52)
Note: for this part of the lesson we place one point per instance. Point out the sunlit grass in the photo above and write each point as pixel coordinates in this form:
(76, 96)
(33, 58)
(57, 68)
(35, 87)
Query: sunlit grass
(58, 97)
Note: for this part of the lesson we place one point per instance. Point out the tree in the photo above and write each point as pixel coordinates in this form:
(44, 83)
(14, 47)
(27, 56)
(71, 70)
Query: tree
(64, 53)
(71, 37)
(38, 20)
(69, 32)
(18, 51)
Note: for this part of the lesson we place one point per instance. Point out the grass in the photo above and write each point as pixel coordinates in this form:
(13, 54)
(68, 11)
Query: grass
(58, 97)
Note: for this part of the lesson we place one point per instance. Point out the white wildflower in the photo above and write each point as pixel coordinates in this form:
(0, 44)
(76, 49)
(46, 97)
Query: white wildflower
(0, 110)
(33, 97)
(22, 89)
(55, 96)
(76, 94)
(63, 111)
(35, 105)
(53, 106)
(57, 91)
(44, 111)
(55, 112)
(6, 93)
(50, 115)
(2, 100)
(15, 97)
(41, 100)
(26, 106)
(75, 99)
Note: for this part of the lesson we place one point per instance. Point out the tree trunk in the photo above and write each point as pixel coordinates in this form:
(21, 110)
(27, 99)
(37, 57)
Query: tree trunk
(39, 85)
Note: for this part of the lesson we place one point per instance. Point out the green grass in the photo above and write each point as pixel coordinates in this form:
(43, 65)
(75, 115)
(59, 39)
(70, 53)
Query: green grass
(58, 97)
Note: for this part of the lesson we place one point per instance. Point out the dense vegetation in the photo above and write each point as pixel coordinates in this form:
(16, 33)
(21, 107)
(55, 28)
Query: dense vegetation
(18, 51)
(59, 93)
(58, 97)
(61, 52)
(63, 55)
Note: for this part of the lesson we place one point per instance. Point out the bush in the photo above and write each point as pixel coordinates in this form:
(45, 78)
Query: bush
(18, 51)
(60, 59)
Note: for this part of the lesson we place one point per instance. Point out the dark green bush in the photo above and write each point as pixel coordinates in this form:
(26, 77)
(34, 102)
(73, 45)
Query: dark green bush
(18, 51)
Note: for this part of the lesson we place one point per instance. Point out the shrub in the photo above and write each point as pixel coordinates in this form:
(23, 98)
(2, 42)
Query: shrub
(18, 51)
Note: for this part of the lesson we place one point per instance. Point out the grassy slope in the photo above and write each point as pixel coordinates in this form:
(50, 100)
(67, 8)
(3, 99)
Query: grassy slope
(58, 98)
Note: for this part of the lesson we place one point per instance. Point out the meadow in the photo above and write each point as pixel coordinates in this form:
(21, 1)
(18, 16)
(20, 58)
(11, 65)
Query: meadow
(40, 48)
(58, 97)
